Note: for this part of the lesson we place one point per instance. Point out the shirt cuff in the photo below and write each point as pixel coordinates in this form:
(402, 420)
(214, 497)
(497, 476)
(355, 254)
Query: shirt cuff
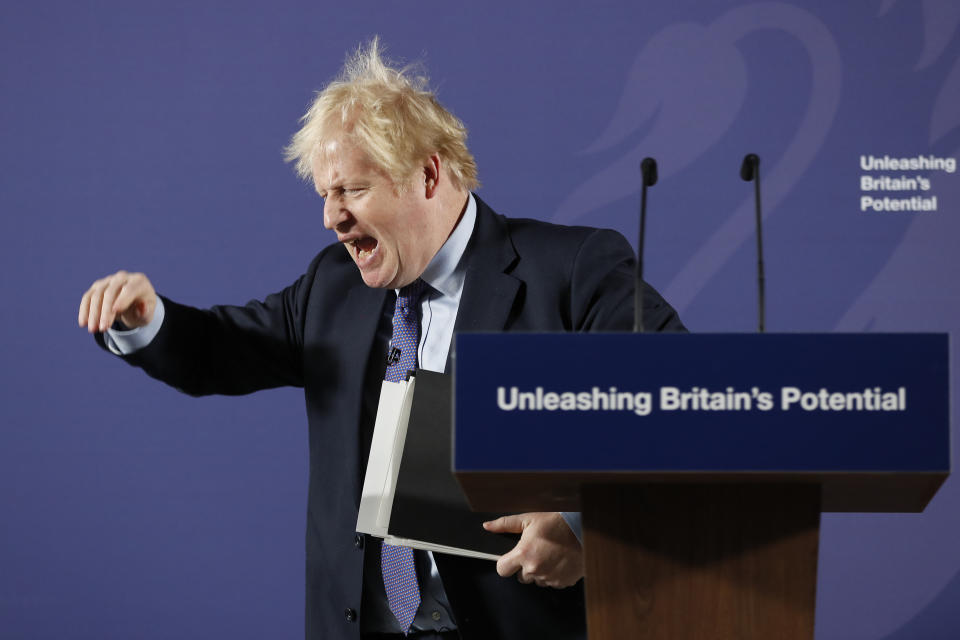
(123, 343)
(573, 521)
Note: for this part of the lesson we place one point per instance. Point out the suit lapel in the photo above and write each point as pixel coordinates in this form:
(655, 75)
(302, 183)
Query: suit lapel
(362, 306)
(363, 309)
(489, 291)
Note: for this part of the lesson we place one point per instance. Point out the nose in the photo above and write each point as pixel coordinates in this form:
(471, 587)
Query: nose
(335, 216)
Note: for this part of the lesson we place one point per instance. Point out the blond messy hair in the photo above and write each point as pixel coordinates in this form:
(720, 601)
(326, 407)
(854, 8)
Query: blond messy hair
(391, 115)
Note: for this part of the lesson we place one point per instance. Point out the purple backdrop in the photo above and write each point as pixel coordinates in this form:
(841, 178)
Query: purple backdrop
(148, 137)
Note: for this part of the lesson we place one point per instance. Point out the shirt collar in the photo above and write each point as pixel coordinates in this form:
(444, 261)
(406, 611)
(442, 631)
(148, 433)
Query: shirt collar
(445, 273)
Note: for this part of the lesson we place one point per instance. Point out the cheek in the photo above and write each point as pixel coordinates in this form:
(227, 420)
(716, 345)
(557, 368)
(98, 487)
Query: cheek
(413, 238)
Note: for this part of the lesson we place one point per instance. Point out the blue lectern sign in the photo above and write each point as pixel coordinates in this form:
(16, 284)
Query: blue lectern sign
(727, 402)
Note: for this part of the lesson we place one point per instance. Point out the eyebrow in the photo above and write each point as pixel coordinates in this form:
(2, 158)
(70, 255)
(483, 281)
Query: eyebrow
(338, 182)
(343, 185)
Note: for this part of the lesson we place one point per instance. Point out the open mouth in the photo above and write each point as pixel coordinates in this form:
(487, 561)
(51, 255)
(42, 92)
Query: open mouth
(364, 247)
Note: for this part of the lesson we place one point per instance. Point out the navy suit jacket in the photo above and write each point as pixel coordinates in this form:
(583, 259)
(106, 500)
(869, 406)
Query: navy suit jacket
(319, 333)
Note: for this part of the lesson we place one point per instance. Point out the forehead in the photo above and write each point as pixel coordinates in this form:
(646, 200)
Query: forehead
(338, 160)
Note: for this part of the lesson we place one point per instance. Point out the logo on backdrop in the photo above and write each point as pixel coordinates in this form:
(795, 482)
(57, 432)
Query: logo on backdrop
(891, 183)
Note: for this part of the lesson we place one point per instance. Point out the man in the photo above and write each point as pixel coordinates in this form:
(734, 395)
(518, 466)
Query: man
(396, 176)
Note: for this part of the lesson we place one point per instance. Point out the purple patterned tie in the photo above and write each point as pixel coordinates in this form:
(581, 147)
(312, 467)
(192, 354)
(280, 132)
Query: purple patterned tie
(399, 572)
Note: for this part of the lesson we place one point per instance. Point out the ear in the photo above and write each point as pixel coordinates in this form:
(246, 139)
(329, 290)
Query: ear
(432, 175)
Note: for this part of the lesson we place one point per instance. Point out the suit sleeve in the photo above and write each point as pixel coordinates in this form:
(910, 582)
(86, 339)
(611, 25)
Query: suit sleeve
(602, 285)
(229, 350)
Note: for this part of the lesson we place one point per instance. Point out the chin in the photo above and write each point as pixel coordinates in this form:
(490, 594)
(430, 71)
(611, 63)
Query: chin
(375, 281)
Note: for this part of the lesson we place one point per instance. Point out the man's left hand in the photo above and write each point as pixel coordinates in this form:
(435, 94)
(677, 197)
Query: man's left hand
(548, 553)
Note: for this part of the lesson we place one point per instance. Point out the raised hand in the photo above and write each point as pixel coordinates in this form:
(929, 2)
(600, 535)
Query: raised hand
(128, 297)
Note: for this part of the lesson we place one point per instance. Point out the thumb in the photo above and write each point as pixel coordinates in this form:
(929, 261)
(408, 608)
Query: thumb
(505, 524)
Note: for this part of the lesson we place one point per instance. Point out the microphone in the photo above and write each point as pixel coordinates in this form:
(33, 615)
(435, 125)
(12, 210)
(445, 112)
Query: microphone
(648, 169)
(648, 173)
(750, 171)
(751, 162)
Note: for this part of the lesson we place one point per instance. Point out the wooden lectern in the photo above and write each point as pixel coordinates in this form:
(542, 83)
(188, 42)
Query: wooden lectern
(701, 463)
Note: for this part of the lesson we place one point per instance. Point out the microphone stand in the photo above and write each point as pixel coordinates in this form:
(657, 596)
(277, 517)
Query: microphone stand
(750, 171)
(648, 172)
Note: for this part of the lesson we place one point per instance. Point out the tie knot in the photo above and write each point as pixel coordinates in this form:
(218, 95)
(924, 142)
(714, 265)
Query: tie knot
(414, 290)
(410, 295)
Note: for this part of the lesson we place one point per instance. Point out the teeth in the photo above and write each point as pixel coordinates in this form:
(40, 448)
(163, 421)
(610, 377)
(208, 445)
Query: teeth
(361, 252)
